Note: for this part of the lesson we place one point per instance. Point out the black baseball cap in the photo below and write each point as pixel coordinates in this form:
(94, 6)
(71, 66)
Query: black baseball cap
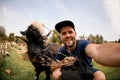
(62, 24)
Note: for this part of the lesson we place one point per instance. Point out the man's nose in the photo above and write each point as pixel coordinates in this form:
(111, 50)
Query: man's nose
(67, 34)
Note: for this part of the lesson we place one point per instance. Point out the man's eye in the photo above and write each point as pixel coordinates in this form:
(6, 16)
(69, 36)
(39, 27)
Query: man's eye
(70, 32)
(63, 33)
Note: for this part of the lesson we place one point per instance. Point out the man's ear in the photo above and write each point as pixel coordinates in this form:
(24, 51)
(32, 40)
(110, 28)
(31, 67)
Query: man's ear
(59, 37)
(75, 33)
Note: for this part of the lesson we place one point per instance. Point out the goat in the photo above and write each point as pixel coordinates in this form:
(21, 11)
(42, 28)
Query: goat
(39, 53)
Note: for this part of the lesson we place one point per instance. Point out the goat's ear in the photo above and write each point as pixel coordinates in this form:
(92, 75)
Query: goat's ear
(23, 32)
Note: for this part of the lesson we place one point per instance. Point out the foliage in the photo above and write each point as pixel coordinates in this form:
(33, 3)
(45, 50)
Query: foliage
(82, 37)
(118, 40)
(11, 37)
(93, 39)
(2, 34)
(2, 31)
(55, 37)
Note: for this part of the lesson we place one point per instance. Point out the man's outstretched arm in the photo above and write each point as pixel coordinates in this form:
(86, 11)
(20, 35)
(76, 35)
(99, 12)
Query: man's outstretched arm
(107, 54)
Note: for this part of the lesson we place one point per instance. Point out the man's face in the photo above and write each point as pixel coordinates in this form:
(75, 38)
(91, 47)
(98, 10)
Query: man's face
(68, 36)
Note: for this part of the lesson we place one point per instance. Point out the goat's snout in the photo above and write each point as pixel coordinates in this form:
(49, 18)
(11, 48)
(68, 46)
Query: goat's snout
(23, 32)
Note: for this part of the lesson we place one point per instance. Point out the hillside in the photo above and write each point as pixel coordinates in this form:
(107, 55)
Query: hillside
(16, 67)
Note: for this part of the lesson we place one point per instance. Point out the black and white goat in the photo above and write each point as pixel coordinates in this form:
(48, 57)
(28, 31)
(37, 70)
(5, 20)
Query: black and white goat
(38, 52)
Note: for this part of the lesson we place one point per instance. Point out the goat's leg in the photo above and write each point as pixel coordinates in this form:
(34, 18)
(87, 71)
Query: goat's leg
(37, 75)
(48, 74)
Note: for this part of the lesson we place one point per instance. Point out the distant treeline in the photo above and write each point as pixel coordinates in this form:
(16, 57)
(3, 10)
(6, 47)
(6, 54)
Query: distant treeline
(54, 38)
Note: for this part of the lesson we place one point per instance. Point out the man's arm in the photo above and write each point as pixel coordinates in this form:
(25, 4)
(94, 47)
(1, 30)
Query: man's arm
(107, 54)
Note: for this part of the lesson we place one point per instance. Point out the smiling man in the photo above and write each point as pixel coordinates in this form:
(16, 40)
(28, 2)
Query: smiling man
(73, 48)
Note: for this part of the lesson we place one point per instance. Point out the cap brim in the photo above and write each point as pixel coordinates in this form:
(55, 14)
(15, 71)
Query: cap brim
(62, 24)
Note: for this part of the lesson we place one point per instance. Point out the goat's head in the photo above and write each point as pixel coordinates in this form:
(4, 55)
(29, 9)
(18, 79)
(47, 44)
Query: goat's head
(34, 33)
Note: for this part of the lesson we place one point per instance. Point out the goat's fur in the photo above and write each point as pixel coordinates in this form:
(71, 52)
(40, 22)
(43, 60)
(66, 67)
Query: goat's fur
(37, 50)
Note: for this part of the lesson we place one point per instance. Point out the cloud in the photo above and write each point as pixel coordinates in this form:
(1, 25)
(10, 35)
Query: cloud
(112, 8)
(13, 19)
(63, 10)
(18, 18)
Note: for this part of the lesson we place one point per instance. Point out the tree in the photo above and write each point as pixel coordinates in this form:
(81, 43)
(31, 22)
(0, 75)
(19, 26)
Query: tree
(11, 37)
(55, 37)
(96, 39)
(99, 39)
(83, 37)
(2, 33)
(118, 40)
(91, 38)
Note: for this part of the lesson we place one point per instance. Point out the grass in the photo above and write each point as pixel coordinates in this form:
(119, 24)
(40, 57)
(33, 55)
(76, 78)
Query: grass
(110, 72)
(20, 70)
(23, 70)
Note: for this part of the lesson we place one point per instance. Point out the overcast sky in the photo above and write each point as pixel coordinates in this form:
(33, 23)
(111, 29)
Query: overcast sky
(89, 16)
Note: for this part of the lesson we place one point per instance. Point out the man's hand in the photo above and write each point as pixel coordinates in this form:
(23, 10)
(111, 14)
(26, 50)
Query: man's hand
(55, 65)
(68, 61)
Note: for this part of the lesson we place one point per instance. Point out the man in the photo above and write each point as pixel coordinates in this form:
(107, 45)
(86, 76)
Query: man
(88, 51)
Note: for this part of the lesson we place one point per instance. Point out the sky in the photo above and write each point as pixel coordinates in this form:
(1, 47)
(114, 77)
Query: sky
(89, 16)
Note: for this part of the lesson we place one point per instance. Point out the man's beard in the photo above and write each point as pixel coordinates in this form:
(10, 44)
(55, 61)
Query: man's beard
(72, 45)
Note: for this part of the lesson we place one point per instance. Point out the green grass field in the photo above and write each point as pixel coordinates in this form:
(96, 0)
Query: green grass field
(21, 69)
(110, 72)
